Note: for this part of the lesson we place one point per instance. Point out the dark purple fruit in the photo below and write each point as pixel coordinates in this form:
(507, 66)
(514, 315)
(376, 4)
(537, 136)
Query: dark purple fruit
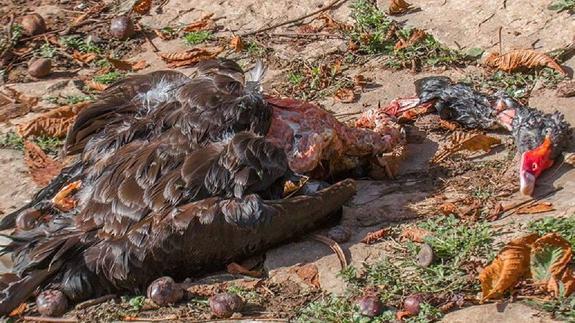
(339, 234)
(122, 27)
(412, 303)
(40, 67)
(370, 306)
(52, 302)
(425, 255)
(224, 305)
(33, 24)
(165, 291)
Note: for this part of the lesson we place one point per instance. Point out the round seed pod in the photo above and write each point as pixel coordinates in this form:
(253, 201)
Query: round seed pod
(122, 27)
(40, 67)
(33, 24)
(165, 291)
(412, 303)
(224, 305)
(370, 306)
(52, 302)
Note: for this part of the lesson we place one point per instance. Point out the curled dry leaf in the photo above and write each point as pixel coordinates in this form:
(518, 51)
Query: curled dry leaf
(119, 64)
(375, 236)
(550, 256)
(539, 207)
(84, 58)
(345, 95)
(235, 268)
(164, 35)
(309, 274)
(14, 104)
(448, 208)
(359, 81)
(142, 6)
(190, 57)
(236, 43)
(509, 267)
(466, 141)
(63, 199)
(18, 311)
(205, 23)
(416, 36)
(415, 234)
(96, 86)
(42, 167)
(522, 59)
(54, 123)
(397, 7)
(139, 65)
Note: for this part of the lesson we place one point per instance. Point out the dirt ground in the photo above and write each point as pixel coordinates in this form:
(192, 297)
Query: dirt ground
(418, 189)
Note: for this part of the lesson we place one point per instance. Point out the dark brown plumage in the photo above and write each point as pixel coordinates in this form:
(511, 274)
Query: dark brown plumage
(176, 180)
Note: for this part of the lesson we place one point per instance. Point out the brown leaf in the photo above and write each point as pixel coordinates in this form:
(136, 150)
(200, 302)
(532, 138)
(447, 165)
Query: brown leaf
(466, 141)
(96, 85)
(345, 95)
(120, 64)
(164, 35)
(559, 266)
(14, 104)
(375, 236)
(84, 58)
(416, 36)
(448, 208)
(54, 123)
(205, 23)
(235, 268)
(42, 168)
(139, 65)
(142, 6)
(522, 59)
(415, 234)
(309, 274)
(359, 81)
(539, 207)
(18, 311)
(400, 315)
(397, 7)
(237, 44)
(190, 57)
(448, 125)
(510, 266)
(63, 200)
(352, 46)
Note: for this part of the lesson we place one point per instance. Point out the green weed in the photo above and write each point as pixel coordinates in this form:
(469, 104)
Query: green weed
(197, 37)
(565, 227)
(108, 78)
(78, 43)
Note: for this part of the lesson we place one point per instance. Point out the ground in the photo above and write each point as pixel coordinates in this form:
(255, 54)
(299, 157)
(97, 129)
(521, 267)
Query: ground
(419, 188)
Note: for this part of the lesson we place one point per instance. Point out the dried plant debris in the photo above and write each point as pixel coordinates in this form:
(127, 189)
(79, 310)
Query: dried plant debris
(466, 141)
(190, 57)
(397, 7)
(14, 104)
(42, 167)
(522, 59)
(375, 236)
(54, 123)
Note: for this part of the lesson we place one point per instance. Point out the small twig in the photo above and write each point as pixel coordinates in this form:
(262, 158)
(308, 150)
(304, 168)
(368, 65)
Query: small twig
(333, 245)
(95, 301)
(160, 7)
(291, 21)
(512, 209)
(49, 319)
(307, 35)
(500, 40)
(155, 49)
(486, 19)
(149, 319)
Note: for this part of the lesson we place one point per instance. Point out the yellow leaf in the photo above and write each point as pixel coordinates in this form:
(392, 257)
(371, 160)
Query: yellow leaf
(510, 266)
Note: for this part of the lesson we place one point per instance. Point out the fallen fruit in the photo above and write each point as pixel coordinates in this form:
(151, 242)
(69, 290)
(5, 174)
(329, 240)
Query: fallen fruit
(165, 291)
(52, 302)
(370, 306)
(412, 304)
(40, 67)
(33, 24)
(339, 234)
(425, 255)
(224, 305)
(122, 27)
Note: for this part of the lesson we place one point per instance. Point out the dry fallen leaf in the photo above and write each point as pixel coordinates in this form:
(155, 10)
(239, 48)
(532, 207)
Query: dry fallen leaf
(163, 35)
(415, 234)
(416, 36)
(237, 44)
(466, 141)
(550, 256)
(205, 23)
(18, 311)
(84, 58)
(309, 274)
(119, 64)
(359, 81)
(139, 65)
(520, 59)
(190, 57)
(235, 268)
(54, 123)
(510, 266)
(448, 125)
(375, 236)
(42, 168)
(63, 200)
(96, 86)
(397, 7)
(539, 207)
(448, 208)
(14, 104)
(345, 95)
(142, 6)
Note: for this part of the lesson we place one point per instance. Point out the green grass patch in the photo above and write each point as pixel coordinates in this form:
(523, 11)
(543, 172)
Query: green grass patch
(565, 227)
(78, 43)
(197, 37)
(562, 5)
(50, 145)
(109, 77)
